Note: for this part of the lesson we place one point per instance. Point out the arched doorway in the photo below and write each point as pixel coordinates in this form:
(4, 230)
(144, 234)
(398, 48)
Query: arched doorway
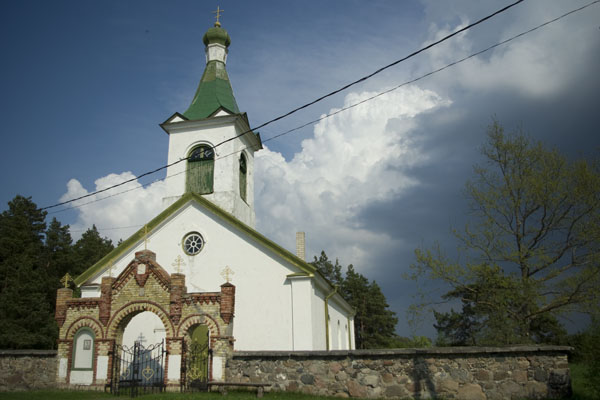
(140, 354)
(197, 353)
(146, 328)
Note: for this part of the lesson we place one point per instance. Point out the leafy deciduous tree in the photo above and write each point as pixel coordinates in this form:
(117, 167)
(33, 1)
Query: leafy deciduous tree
(532, 251)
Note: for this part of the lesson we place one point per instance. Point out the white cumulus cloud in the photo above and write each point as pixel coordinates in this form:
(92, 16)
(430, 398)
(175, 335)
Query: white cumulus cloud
(354, 158)
(119, 216)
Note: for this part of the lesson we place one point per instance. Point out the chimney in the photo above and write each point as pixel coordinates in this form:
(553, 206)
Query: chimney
(301, 245)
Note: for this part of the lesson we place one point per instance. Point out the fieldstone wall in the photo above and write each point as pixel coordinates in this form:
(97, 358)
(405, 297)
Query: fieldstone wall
(470, 373)
(27, 369)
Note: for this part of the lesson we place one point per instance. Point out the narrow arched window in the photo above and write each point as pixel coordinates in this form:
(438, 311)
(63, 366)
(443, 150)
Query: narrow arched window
(200, 171)
(243, 176)
(83, 349)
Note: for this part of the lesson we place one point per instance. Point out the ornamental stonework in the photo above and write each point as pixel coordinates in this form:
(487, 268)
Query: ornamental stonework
(142, 286)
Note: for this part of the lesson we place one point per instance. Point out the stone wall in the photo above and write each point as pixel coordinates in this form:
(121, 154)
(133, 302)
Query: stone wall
(27, 369)
(472, 373)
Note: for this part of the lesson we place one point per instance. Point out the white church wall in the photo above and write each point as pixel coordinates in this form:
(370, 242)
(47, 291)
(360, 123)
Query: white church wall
(301, 294)
(338, 326)
(90, 291)
(319, 327)
(259, 275)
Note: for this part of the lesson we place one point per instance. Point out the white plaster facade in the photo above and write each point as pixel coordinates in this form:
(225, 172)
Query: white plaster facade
(273, 310)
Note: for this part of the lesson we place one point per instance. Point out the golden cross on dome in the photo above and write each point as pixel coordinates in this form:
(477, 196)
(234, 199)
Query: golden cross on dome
(218, 12)
(66, 279)
(226, 273)
(178, 263)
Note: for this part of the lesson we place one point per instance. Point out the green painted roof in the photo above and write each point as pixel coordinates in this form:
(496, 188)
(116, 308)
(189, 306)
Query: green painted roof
(214, 92)
(137, 237)
(216, 34)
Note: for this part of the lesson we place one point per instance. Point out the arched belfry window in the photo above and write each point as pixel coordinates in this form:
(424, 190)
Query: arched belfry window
(200, 171)
(243, 176)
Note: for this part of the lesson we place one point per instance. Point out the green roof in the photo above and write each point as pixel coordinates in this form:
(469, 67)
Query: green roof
(214, 92)
(137, 237)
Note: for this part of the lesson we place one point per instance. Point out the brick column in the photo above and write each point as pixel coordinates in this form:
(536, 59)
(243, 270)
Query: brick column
(62, 296)
(178, 290)
(105, 298)
(227, 302)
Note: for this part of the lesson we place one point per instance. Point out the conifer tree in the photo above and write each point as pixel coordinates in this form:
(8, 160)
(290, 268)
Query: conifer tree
(374, 322)
(58, 258)
(26, 318)
(89, 249)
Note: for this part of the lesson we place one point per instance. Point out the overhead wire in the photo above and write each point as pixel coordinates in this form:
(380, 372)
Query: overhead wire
(341, 109)
(364, 78)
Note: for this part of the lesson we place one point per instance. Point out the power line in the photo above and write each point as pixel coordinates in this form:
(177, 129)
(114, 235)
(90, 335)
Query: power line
(364, 78)
(347, 107)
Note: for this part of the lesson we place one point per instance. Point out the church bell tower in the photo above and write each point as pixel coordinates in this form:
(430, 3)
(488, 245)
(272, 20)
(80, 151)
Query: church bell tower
(213, 139)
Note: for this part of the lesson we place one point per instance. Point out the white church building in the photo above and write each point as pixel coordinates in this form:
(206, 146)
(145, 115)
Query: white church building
(201, 261)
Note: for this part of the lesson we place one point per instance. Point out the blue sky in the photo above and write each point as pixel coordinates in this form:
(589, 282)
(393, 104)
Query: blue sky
(85, 84)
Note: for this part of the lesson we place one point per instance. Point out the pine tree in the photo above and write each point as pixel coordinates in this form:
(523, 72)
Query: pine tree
(58, 258)
(90, 248)
(332, 272)
(26, 319)
(374, 323)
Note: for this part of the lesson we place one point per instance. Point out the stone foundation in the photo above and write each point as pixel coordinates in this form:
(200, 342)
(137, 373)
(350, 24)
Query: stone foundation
(473, 373)
(27, 369)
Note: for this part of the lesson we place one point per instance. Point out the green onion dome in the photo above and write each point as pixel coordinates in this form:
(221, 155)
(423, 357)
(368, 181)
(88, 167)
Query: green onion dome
(216, 34)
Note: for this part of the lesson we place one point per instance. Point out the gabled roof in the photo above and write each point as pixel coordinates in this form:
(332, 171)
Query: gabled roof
(214, 93)
(224, 216)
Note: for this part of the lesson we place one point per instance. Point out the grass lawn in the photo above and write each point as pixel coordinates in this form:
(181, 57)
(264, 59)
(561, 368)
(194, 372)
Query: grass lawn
(580, 391)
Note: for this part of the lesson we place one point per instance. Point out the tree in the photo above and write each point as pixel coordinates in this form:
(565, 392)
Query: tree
(532, 250)
(89, 249)
(26, 318)
(332, 272)
(374, 323)
(57, 258)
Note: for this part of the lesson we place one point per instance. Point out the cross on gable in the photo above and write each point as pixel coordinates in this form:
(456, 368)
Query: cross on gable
(178, 263)
(227, 273)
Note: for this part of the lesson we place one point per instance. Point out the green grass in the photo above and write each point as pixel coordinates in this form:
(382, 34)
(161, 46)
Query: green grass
(580, 391)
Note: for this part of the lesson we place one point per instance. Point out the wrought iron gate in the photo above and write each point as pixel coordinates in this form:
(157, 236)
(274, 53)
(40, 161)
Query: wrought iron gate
(138, 369)
(196, 361)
